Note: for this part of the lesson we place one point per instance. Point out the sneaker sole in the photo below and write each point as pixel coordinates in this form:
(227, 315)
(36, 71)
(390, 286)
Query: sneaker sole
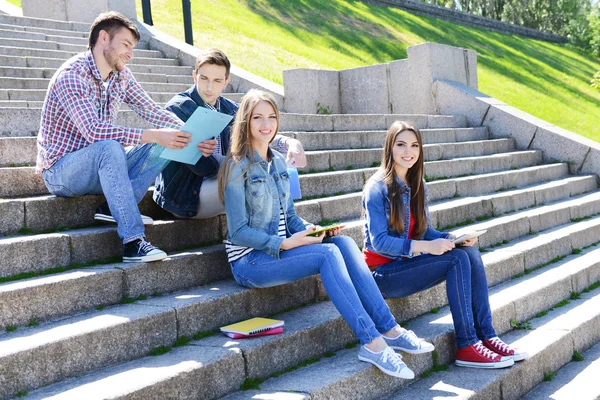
(405, 373)
(486, 365)
(156, 257)
(418, 351)
(520, 357)
(108, 218)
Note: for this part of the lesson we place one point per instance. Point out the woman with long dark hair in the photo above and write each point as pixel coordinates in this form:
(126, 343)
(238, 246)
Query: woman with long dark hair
(406, 255)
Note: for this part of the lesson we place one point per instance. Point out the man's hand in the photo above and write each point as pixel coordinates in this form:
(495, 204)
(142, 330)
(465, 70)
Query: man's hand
(169, 138)
(295, 152)
(207, 147)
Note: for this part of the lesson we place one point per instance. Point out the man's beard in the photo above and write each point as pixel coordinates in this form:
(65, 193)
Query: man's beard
(112, 59)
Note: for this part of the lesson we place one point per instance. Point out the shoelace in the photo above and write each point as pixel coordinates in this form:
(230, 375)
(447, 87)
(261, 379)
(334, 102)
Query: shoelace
(146, 246)
(394, 358)
(484, 351)
(412, 336)
(499, 343)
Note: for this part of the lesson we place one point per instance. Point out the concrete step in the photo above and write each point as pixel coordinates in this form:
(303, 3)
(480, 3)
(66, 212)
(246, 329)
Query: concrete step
(143, 56)
(40, 252)
(44, 31)
(451, 212)
(42, 84)
(576, 380)
(171, 76)
(6, 32)
(550, 344)
(360, 122)
(21, 104)
(324, 184)
(326, 159)
(341, 376)
(37, 96)
(44, 23)
(130, 331)
(374, 139)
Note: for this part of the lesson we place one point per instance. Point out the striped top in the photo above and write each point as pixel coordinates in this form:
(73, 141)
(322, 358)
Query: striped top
(234, 252)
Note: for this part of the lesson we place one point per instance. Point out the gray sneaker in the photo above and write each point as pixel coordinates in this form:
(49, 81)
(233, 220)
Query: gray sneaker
(408, 342)
(388, 361)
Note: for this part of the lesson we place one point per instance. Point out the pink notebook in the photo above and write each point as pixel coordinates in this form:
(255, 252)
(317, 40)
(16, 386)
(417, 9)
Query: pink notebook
(272, 331)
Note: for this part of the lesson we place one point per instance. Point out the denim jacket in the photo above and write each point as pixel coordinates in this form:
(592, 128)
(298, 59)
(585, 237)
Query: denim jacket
(379, 236)
(252, 203)
(178, 185)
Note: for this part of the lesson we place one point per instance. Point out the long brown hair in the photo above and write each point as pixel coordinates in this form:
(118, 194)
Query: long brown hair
(241, 137)
(414, 178)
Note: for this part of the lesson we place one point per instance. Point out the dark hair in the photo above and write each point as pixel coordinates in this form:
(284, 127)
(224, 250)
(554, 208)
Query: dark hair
(110, 22)
(414, 178)
(213, 57)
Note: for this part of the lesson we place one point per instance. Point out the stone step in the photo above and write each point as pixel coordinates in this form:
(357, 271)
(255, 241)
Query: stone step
(42, 44)
(450, 212)
(175, 75)
(576, 380)
(37, 96)
(355, 122)
(146, 56)
(6, 32)
(321, 325)
(374, 139)
(45, 31)
(21, 122)
(44, 23)
(341, 376)
(40, 252)
(42, 83)
(322, 160)
(23, 181)
(478, 181)
(130, 331)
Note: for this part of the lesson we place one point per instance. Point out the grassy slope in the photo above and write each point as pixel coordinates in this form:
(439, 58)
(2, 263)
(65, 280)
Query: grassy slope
(547, 80)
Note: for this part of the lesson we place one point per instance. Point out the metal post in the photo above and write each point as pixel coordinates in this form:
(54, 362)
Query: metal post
(187, 21)
(147, 12)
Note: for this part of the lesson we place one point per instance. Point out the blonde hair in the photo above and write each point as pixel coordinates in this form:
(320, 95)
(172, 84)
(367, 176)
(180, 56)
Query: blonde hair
(241, 137)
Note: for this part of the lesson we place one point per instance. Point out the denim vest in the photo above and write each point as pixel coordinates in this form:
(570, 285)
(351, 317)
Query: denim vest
(252, 203)
(178, 185)
(380, 237)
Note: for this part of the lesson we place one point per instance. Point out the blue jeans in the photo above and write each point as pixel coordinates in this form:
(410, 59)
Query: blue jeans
(466, 288)
(344, 273)
(106, 167)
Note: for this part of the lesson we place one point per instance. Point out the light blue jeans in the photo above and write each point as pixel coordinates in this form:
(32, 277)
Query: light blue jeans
(466, 287)
(344, 273)
(106, 167)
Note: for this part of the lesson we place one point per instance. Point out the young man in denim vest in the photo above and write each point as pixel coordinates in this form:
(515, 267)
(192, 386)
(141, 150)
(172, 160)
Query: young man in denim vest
(190, 191)
(81, 150)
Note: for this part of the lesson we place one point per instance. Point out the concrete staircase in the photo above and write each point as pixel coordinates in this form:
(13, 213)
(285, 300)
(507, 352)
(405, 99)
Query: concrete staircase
(79, 324)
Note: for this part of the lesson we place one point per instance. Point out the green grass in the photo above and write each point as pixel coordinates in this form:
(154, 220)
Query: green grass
(548, 80)
(577, 357)
(15, 2)
(548, 376)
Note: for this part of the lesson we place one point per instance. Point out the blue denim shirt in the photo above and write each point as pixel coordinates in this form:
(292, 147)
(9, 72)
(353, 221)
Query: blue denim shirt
(253, 200)
(379, 236)
(177, 187)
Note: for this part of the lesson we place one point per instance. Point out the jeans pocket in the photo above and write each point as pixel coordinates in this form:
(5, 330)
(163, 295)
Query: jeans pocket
(58, 190)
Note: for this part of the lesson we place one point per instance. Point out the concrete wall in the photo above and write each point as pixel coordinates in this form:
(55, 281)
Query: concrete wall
(582, 154)
(464, 18)
(398, 87)
(76, 10)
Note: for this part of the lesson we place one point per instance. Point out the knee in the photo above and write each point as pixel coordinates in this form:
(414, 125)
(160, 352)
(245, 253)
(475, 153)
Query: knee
(344, 243)
(461, 258)
(111, 150)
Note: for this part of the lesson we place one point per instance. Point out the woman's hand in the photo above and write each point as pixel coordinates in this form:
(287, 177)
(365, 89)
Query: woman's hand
(333, 232)
(439, 246)
(301, 239)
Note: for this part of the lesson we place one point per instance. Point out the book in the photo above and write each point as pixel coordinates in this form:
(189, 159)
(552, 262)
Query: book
(273, 331)
(252, 326)
(468, 235)
(204, 124)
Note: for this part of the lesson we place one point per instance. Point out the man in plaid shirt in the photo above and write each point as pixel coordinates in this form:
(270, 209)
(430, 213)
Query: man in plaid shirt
(80, 149)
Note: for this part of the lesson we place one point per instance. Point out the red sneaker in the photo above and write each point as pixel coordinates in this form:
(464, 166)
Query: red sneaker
(479, 356)
(498, 346)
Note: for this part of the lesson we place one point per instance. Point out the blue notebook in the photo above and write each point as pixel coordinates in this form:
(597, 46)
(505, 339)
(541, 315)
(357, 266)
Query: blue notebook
(204, 124)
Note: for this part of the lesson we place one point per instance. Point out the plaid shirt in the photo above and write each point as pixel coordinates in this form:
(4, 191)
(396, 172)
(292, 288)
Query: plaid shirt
(80, 110)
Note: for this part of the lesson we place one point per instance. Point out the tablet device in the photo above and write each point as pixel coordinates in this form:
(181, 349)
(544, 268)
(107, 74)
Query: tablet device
(468, 235)
(325, 228)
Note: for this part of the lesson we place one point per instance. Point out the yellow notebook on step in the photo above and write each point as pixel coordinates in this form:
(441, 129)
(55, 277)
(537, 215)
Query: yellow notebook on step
(252, 326)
